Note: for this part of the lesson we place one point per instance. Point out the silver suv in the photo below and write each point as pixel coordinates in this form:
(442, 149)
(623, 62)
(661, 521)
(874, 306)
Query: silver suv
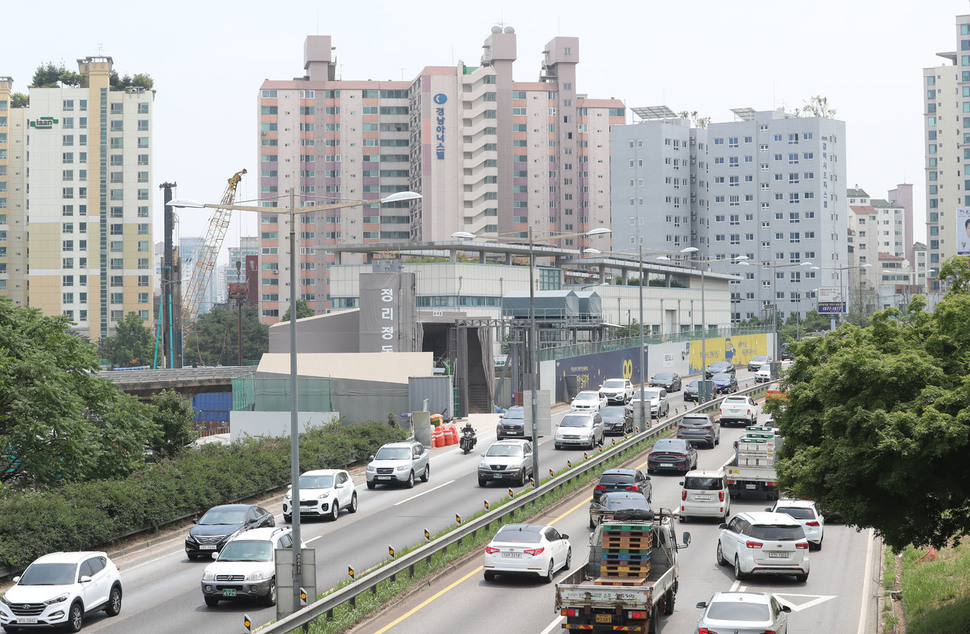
(506, 460)
(246, 567)
(399, 463)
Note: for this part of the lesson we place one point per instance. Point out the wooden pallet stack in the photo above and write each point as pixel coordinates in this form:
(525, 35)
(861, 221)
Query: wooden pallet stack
(756, 447)
(626, 549)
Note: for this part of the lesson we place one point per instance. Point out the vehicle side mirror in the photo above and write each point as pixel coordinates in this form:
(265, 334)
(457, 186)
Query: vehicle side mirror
(371, 457)
(702, 604)
(768, 509)
(785, 608)
(483, 454)
(686, 539)
(289, 486)
(215, 556)
(681, 483)
(85, 579)
(735, 444)
(722, 527)
(338, 486)
(16, 579)
(195, 520)
(564, 536)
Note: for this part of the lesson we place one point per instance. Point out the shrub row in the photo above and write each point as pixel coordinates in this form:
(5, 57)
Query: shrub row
(90, 515)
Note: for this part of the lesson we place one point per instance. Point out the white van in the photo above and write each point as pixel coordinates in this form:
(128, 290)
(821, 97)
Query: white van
(705, 494)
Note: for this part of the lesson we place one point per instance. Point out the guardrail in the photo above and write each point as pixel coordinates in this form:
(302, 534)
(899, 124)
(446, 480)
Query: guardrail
(390, 571)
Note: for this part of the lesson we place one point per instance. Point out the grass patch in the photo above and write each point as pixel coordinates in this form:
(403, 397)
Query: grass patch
(937, 593)
(888, 584)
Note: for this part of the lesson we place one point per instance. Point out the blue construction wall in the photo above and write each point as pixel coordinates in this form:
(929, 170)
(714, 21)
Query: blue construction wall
(214, 406)
(591, 370)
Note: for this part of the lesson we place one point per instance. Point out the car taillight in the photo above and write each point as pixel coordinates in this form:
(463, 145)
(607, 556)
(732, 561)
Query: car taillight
(569, 612)
(753, 544)
(703, 630)
(632, 487)
(599, 487)
(720, 496)
(683, 494)
(708, 428)
(811, 523)
(637, 614)
(801, 545)
(534, 551)
(491, 550)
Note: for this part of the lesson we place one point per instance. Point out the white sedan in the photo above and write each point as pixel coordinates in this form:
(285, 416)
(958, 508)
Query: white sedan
(527, 549)
(588, 400)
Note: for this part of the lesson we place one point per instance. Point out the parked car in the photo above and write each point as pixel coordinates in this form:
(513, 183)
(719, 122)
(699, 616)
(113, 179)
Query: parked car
(211, 532)
(246, 567)
(60, 589)
(617, 391)
(743, 612)
(617, 419)
(764, 543)
(808, 515)
(323, 492)
(657, 397)
(527, 549)
(588, 400)
(763, 375)
(758, 362)
(719, 367)
(705, 494)
(669, 381)
(399, 463)
(506, 460)
(512, 423)
(672, 454)
(619, 479)
(580, 429)
(700, 429)
(691, 390)
(602, 510)
(725, 382)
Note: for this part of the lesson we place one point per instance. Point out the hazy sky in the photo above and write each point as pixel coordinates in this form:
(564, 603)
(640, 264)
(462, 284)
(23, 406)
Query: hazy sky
(208, 59)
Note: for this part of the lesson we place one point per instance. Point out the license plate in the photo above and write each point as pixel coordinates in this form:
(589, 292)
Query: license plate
(497, 476)
(512, 555)
(27, 619)
(777, 555)
(604, 618)
(228, 592)
(751, 486)
(207, 547)
(383, 477)
(666, 464)
(702, 497)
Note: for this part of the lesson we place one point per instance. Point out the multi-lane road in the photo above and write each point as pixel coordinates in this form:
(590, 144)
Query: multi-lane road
(163, 595)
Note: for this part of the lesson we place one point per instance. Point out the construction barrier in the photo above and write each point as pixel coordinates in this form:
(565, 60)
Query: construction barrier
(451, 435)
(438, 436)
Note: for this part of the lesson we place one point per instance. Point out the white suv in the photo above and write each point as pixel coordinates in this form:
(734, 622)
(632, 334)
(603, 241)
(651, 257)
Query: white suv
(805, 513)
(246, 566)
(399, 463)
(58, 589)
(617, 391)
(705, 494)
(764, 543)
(323, 493)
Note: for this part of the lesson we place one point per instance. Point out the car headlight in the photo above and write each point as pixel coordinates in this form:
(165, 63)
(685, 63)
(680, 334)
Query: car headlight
(255, 576)
(3, 599)
(403, 467)
(287, 495)
(208, 575)
(371, 468)
(324, 495)
(482, 465)
(514, 466)
(61, 598)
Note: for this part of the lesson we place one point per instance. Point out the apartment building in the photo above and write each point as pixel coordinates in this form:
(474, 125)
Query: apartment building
(88, 174)
(761, 197)
(13, 196)
(490, 156)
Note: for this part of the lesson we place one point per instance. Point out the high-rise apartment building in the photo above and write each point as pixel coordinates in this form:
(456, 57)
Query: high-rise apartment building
(86, 182)
(766, 189)
(13, 196)
(490, 156)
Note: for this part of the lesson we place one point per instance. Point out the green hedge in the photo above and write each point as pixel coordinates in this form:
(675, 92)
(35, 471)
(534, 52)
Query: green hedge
(90, 515)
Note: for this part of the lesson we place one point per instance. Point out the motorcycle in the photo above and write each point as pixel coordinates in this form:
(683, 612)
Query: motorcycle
(468, 440)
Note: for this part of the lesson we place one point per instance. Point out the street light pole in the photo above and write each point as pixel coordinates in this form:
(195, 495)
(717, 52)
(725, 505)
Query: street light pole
(533, 358)
(643, 402)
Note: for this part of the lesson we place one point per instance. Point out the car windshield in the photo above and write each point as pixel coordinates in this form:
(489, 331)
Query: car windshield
(718, 365)
(778, 533)
(613, 412)
(518, 534)
(504, 450)
(247, 550)
(663, 376)
(48, 575)
(514, 412)
(576, 421)
(798, 512)
(393, 453)
(692, 385)
(617, 502)
(587, 396)
(759, 359)
(698, 483)
(649, 395)
(736, 400)
(670, 444)
(316, 482)
(694, 422)
(611, 383)
(722, 376)
(738, 611)
(223, 516)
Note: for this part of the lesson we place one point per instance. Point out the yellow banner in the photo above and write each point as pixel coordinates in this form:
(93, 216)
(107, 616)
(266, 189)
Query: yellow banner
(737, 350)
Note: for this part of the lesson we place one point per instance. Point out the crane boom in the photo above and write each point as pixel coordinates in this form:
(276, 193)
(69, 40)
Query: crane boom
(218, 224)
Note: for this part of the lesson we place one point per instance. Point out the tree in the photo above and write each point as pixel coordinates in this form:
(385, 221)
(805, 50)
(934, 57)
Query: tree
(877, 421)
(49, 76)
(173, 415)
(60, 422)
(138, 81)
(214, 338)
(19, 100)
(817, 106)
(132, 345)
(698, 121)
(303, 310)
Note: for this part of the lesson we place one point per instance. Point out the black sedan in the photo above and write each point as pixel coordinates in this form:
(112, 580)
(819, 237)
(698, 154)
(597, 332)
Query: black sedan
(220, 523)
(630, 480)
(617, 419)
(609, 503)
(672, 454)
(691, 390)
(725, 382)
(669, 381)
(718, 367)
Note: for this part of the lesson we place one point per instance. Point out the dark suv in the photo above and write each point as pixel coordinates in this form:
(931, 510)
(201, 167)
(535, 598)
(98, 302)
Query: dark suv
(700, 428)
(623, 480)
(672, 454)
(512, 423)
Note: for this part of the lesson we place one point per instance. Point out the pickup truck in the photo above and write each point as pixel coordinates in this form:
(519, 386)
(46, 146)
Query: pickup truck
(752, 470)
(739, 409)
(631, 576)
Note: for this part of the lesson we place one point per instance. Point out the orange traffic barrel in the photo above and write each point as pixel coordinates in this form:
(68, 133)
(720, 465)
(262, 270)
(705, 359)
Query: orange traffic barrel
(437, 436)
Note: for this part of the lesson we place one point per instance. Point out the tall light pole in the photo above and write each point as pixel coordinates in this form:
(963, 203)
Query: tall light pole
(774, 304)
(293, 211)
(643, 360)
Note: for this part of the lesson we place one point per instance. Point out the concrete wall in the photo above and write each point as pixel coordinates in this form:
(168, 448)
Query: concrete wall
(274, 424)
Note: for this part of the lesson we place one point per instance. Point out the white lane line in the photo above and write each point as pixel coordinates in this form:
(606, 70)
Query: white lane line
(154, 561)
(552, 626)
(307, 541)
(866, 581)
(736, 587)
(414, 497)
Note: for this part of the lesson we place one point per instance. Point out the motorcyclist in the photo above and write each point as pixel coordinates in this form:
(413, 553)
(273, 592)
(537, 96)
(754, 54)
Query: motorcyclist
(468, 429)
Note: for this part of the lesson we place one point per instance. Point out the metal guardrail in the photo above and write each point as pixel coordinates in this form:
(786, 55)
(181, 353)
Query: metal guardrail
(390, 571)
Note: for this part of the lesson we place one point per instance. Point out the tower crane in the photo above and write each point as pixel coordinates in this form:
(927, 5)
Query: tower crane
(206, 260)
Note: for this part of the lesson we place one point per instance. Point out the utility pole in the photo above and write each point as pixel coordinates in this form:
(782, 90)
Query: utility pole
(165, 302)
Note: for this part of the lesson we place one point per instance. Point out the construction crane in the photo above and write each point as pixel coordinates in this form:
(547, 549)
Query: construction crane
(206, 261)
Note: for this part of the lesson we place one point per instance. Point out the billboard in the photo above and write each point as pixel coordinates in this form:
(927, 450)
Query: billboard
(831, 299)
(388, 312)
(963, 231)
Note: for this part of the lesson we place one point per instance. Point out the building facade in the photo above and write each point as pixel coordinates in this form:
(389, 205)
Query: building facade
(490, 156)
(89, 253)
(761, 197)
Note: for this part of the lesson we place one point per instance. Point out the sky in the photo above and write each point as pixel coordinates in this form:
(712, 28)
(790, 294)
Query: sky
(208, 60)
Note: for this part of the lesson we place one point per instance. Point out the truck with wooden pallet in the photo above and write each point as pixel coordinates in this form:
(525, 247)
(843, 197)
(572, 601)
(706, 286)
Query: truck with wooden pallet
(752, 470)
(630, 579)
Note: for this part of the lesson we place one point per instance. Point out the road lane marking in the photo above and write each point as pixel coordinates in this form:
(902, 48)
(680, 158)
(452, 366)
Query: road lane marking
(552, 626)
(736, 587)
(153, 561)
(429, 600)
(864, 614)
(798, 607)
(414, 497)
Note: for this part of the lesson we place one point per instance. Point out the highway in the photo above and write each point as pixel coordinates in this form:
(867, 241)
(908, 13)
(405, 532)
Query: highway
(162, 587)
